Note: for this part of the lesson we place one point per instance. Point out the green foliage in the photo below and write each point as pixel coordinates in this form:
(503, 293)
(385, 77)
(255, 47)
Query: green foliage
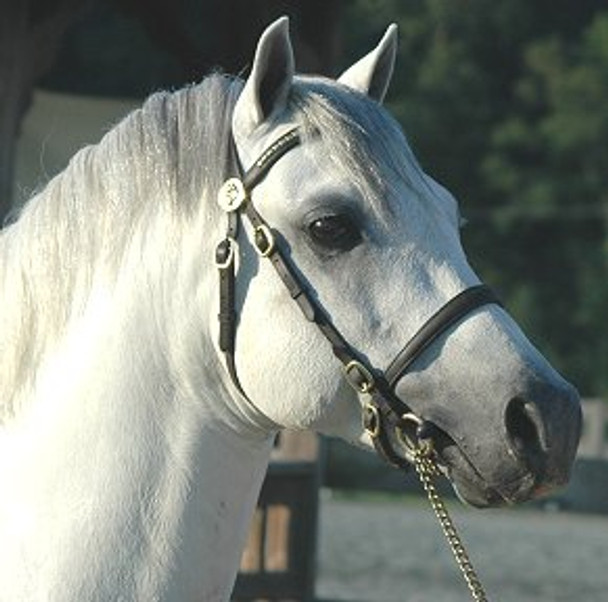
(507, 104)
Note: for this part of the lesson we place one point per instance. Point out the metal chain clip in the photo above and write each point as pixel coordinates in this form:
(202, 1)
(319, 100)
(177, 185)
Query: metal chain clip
(427, 469)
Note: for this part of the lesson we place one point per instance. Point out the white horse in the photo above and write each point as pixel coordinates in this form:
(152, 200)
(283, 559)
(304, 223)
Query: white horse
(131, 455)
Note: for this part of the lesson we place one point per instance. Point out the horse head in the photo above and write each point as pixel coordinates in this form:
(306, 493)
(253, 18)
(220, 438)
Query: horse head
(373, 243)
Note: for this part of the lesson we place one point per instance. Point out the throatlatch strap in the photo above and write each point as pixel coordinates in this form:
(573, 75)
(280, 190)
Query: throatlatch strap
(225, 260)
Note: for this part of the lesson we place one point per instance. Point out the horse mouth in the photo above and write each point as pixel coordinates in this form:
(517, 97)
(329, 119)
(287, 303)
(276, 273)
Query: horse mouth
(470, 487)
(469, 483)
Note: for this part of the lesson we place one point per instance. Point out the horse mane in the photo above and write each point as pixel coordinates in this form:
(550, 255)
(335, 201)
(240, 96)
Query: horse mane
(166, 156)
(169, 156)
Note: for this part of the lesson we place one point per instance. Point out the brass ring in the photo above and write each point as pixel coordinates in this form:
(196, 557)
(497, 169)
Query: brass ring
(263, 240)
(371, 420)
(413, 445)
(359, 377)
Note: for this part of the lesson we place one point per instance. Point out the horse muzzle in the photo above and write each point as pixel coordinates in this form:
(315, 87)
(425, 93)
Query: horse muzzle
(522, 449)
(517, 444)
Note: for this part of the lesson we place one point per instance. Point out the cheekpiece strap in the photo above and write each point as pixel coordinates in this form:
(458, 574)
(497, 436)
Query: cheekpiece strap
(234, 199)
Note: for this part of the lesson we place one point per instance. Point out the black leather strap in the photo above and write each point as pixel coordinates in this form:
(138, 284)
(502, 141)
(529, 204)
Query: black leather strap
(257, 172)
(383, 413)
(312, 311)
(225, 258)
(452, 312)
(225, 254)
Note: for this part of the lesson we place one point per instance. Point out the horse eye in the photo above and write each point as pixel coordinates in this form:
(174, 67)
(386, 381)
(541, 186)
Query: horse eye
(336, 232)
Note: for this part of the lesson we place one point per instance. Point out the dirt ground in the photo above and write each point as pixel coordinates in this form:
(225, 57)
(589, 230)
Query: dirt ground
(393, 551)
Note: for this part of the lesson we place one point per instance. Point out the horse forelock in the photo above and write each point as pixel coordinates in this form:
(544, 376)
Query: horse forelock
(164, 161)
(362, 141)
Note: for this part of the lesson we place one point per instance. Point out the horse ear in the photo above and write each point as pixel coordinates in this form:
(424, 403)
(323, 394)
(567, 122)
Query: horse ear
(372, 74)
(266, 90)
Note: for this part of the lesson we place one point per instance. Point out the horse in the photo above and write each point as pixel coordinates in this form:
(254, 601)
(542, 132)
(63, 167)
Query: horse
(136, 425)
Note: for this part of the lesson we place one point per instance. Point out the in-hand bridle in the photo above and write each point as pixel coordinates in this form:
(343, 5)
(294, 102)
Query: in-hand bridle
(387, 419)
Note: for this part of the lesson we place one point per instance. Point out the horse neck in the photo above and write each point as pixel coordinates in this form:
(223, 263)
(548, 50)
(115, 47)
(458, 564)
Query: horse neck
(132, 473)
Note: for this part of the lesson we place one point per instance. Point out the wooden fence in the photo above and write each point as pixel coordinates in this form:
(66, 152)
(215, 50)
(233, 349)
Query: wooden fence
(278, 562)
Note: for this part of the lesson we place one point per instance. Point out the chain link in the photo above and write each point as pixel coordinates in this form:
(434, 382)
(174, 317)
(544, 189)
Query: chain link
(427, 469)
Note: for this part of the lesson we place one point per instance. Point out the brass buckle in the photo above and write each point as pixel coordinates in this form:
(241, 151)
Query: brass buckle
(263, 240)
(231, 195)
(371, 420)
(225, 252)
(359, 377)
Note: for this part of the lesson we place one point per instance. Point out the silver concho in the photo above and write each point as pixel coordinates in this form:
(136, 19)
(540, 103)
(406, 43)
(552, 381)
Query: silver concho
(231, 195)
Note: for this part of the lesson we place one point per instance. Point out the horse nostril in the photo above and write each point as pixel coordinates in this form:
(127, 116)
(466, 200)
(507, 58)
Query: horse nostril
(525, 431)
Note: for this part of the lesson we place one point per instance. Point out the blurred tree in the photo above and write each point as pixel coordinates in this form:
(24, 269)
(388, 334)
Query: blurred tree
(550, 157)
(135, 47)
(507, 103)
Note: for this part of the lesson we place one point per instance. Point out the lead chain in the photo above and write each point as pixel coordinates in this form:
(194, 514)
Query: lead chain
(427, 469)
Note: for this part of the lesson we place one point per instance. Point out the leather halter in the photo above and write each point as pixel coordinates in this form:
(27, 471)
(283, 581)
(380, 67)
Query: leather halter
(386, 418)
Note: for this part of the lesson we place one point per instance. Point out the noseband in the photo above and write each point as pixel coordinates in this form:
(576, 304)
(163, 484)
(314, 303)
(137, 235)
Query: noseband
(387, 419)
